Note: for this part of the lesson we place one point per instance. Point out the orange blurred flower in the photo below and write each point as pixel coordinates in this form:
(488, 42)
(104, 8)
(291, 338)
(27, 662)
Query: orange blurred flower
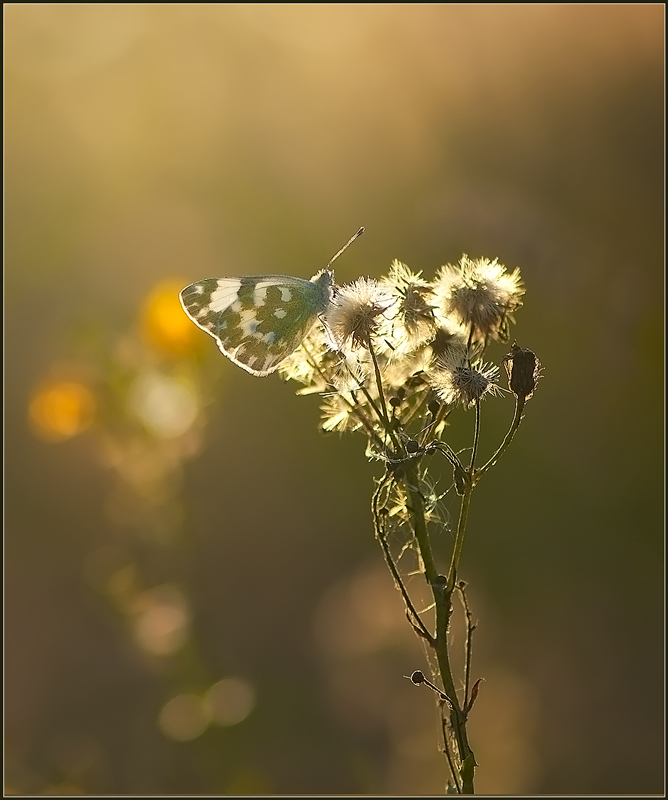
(61, 409)
(164, 324)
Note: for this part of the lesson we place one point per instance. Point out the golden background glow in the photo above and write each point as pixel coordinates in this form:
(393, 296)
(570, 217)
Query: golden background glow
(194, 599)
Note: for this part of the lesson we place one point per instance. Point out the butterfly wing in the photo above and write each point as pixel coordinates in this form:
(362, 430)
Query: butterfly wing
(257, 321)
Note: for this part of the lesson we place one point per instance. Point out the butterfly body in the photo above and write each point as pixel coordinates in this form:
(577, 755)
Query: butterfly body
(259, 320)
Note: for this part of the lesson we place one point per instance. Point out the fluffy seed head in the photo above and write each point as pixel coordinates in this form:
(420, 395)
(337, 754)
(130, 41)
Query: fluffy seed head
(354, 316)
(458, 379)
(413, 321)
(480, 294)
(448, 336)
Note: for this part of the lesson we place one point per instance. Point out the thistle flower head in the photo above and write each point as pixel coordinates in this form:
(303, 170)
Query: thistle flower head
(351, 370)
(339, 413)
(413, 321)
(449, 335)
(480, 294)
(459, 379)
(388, 355)
(407, 372)
(356, 312)
(307, 364)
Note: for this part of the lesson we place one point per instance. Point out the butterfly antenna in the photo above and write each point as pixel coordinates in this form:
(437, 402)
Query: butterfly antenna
(346, 246)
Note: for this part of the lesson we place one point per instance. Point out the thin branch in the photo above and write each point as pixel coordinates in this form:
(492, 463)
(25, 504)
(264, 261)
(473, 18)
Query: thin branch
(379, 524)
(461, 529)
(476, 435)
(354, 407)
(470, 627)
(381, 395)
(446, 750)
(448, 452)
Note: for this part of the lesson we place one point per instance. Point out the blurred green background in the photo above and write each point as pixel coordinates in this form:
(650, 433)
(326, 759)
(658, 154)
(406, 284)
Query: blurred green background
(195, 602)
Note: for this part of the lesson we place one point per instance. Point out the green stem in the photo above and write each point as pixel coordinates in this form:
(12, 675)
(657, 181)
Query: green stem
(442, 593)
(461, 530)
(355, 409)
(464, 508)
(470, 627)
(381, 396)
(476, 434)
(449, 453)
(443, 600)
(377, 411)
(430, 431)
(446, 750)
(416, 508)
(379, 525)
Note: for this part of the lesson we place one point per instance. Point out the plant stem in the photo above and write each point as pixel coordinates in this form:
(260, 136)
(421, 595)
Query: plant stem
(381, 395)
(379, 525)
(442, 593)
(461, 529)
(446, 750)
(443, 600)
(470, 627)
(411, 481)
(476, 434)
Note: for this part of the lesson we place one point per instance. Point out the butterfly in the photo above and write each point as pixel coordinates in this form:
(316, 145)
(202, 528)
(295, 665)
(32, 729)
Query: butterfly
(258, 321)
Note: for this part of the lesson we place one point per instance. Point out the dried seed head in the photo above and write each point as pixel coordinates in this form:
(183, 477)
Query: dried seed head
(459, 379)
(340, 413)
(413, 321)
(307, 363)
(448, 335)
(480, 294)
(353, 316)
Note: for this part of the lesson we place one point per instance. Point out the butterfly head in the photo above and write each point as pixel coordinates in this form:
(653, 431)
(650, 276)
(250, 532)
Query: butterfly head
(324, 280)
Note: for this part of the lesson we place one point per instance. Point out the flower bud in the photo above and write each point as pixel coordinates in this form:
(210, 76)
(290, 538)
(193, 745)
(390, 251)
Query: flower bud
(417, 677)
(523, 370)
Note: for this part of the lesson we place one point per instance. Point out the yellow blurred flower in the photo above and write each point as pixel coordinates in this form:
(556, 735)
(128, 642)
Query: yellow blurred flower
(164, 324)
(61, 409)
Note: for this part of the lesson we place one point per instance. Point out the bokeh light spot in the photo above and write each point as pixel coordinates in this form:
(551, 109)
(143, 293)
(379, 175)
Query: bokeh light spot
(162, 620)
(60, 410)
(183, 718)
(164, 323)
(168, 407)
(230, 701)
(359, 616)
